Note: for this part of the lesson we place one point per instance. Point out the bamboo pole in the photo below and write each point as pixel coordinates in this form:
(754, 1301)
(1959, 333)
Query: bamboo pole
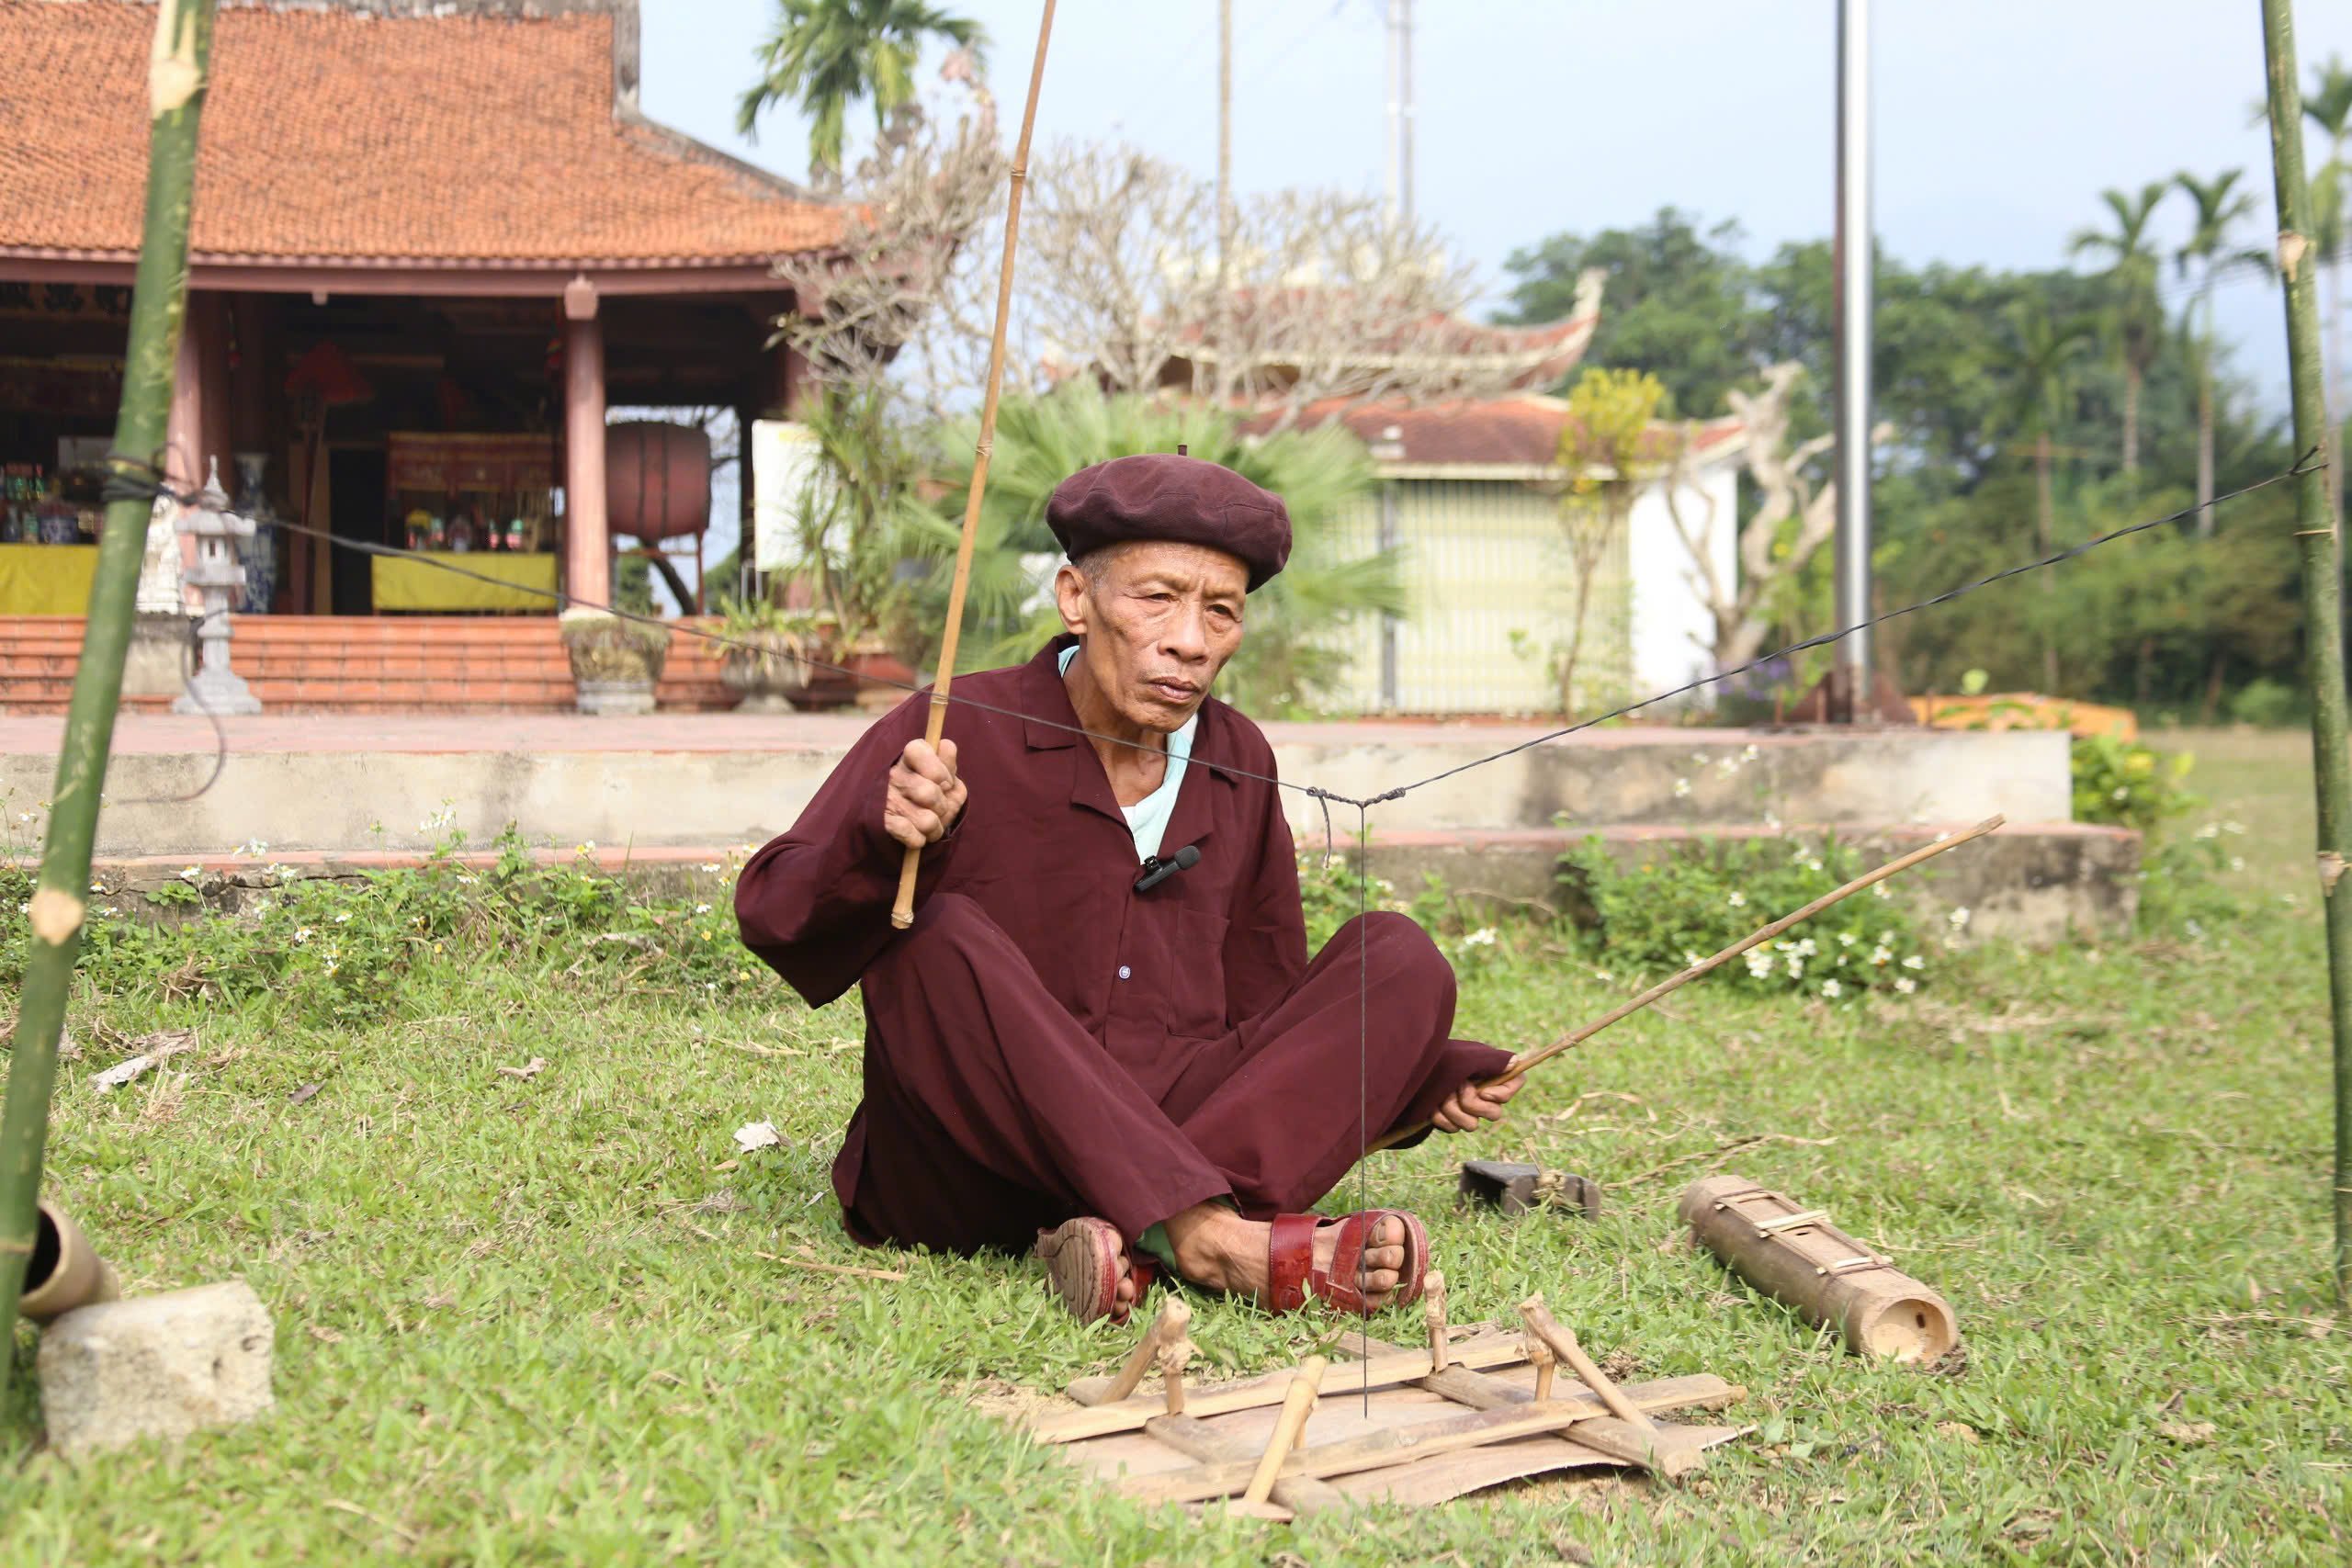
(2322, 603)
(902, 912)
(1520, 1066)
(176, 85)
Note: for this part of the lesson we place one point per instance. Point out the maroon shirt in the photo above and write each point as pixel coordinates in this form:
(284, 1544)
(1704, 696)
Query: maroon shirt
(1043, 849)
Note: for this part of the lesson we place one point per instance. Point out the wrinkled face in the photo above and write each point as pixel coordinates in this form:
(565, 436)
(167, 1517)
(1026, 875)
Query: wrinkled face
(1158, 620)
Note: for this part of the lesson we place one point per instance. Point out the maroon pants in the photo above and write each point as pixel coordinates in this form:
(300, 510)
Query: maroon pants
(990, 1113)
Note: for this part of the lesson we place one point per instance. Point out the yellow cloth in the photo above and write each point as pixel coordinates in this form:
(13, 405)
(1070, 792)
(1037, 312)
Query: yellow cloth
(47, 580)
(402, 584)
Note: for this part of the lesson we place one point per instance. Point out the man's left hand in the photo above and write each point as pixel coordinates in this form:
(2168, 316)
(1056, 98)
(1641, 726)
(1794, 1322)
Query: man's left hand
(1474, 1103)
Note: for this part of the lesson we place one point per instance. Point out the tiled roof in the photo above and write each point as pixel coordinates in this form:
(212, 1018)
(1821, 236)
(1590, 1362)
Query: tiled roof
(337, 136)
(1514, 432)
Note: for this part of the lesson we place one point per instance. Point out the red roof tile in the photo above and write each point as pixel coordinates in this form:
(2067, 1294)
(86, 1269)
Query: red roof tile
(338, 136)
(1518, 431)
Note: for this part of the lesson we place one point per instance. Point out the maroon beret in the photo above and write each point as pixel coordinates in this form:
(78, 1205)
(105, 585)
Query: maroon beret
(1160, 495)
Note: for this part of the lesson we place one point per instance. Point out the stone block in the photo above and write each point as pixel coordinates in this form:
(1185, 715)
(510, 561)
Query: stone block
(162, 1366)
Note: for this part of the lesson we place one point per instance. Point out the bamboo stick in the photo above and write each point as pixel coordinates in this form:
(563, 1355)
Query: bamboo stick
(176, 88)
(1521, 1065)
(2321, 548)
(1564, 1345)
(902, 913)
(1389, 1366)
(1290, 1428)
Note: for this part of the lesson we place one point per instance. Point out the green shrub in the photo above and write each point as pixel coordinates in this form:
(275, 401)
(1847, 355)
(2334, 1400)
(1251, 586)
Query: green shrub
(1672, 913)
(2126, 785)
(2267, 704)
(2181, 891)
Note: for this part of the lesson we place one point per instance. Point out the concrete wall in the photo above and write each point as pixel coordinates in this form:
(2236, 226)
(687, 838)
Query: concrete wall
(393, 799)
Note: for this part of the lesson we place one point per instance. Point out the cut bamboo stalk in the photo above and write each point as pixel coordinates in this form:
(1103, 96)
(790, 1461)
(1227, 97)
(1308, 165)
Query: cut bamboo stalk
(902, 912)
(179, 67)
(1540, 1357)
(1518, 1066)
(1564, 1345)
(1171, 1373)
(1601, 1432)
(1298, 1401)
(1826, 1275)
(1165, 1330)
(1196, 1438)
(1434, 1314)
(2319, 541)
(1105, 1416)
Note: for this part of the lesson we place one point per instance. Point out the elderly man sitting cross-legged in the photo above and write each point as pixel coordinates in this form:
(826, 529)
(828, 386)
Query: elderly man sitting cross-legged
(1066, 1050)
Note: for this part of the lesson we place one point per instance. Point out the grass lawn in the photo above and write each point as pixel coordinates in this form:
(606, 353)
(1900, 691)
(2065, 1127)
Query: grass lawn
(544, 1320)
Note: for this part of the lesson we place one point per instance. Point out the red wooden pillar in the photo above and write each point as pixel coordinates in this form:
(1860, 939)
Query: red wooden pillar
(587, 548)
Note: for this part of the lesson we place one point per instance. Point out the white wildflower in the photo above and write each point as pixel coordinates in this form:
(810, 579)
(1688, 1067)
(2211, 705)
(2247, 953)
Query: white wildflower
(1601, 975)
(1738, 900)
(24, 909)
(2119, 793)
(254, 848)
(1748, 753)
(97, 886)
(466, 879)
(301, 936)
(1880, 890)
(2235, 829)
(702, 908)
(1958, 919)
(1681, 788)
(1689, 959)
(2237, 862)
(2196, 930)
(108, 909)
(191, 874)
(1915, 961)
(2211, 831)
(1880, 957)
(1832, 989)
(588, 848)
(334, 960)
(1905, 983)
(712, 867)
(1848, 938)
(1806, 948)
(1771, 822)
(1796, 966)
(1483, 937)
(343, 918)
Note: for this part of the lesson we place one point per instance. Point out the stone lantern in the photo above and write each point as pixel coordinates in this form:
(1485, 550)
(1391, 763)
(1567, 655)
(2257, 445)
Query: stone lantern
(218, 534)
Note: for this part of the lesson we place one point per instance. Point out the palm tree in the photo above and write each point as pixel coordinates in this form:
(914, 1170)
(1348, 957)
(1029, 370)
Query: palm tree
(2040, 368)
(826, 54)
(2206, 251)
(1291, 656)
(2138, 315)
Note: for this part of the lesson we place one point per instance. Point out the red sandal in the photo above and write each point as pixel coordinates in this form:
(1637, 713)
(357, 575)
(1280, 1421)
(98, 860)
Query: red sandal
(1085, 1260)
(1291, 1275)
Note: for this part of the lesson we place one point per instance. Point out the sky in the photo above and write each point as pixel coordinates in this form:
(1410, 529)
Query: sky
(1997, 122)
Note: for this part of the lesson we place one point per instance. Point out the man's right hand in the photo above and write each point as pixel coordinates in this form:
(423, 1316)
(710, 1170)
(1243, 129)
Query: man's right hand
(924, 796)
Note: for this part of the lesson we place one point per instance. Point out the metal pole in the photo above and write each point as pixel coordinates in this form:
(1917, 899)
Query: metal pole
(1853, 314)
(2323, 603)
(1404, 13)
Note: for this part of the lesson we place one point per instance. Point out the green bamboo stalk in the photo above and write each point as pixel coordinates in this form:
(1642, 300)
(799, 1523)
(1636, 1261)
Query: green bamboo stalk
(176, 82)
(2322, 603)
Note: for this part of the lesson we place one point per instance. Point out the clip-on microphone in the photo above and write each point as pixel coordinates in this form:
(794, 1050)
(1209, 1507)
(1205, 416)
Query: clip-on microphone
(1157, 871)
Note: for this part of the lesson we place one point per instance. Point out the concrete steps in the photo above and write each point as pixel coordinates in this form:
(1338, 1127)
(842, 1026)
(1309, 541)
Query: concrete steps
(369, 665)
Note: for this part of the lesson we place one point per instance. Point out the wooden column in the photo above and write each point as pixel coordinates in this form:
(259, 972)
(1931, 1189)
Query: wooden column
(587, 548)
(184, 442)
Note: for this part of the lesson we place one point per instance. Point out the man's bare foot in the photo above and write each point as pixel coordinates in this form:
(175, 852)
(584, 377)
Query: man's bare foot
(1216, 1248)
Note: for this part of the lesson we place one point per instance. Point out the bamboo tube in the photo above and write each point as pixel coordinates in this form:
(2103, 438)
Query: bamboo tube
(66, 1272)
(902, 912)
(2318, 536)
(1521, 1065)
(1826, 1275)
(176, 87)
(1289, 1427)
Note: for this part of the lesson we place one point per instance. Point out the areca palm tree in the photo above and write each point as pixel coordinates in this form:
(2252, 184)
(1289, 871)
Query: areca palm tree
(2220, 207)
(2138, 315)
(2040, 368)
(826, 54)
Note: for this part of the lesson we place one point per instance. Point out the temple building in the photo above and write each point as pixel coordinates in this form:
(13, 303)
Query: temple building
(432, 243)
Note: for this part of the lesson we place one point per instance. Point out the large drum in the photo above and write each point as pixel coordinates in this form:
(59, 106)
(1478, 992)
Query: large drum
(657, 480)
